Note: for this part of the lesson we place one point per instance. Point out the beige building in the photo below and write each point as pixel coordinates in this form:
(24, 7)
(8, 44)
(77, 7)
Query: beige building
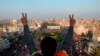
(81, 29)
(53, 27)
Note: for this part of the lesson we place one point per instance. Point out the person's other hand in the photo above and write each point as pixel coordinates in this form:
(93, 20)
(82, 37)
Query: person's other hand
(72, 20)
(24, 19)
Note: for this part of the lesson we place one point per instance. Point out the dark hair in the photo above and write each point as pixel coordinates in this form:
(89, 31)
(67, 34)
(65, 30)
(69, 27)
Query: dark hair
(48, 46)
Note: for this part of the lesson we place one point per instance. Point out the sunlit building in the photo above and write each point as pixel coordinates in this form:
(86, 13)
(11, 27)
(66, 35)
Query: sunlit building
(81, 29)
(53, 27)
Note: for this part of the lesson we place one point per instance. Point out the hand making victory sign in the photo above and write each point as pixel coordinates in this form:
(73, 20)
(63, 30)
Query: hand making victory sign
(24, 19)
(72, 20)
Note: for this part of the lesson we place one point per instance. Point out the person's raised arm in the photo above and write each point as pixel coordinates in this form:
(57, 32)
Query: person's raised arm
(24, 23)
(27, 36)
(67, 44)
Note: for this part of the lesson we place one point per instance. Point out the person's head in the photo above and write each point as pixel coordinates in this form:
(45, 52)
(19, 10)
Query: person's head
(48, 46)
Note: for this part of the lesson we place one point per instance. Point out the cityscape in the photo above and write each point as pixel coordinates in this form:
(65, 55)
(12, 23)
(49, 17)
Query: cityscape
(49, 27)
(82, 25)
(11, 33)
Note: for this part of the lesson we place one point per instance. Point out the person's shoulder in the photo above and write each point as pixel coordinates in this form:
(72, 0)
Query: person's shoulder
(61, 53)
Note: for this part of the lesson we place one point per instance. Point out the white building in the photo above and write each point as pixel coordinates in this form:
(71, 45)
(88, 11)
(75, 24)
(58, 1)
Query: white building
(92, 47)
(81, 29)
(53, 27)
(98, 39)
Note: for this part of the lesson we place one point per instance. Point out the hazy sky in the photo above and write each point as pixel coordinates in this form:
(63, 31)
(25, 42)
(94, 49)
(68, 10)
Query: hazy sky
(49, 8)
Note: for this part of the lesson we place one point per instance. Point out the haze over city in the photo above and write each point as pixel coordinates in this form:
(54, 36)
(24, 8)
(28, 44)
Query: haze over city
(49, 27)
(49, 8)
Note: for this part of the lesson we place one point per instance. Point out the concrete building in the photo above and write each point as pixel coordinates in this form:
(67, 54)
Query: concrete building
(98, 39)
(81, 29)
(53, 27)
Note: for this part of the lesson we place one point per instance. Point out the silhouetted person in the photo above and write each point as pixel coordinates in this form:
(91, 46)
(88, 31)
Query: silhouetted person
(48, 44)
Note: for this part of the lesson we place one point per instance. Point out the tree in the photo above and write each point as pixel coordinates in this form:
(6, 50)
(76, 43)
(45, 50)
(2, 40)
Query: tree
(59, 38)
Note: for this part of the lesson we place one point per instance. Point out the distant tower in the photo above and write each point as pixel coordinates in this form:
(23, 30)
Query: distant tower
(90, 35)
(1, 29)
